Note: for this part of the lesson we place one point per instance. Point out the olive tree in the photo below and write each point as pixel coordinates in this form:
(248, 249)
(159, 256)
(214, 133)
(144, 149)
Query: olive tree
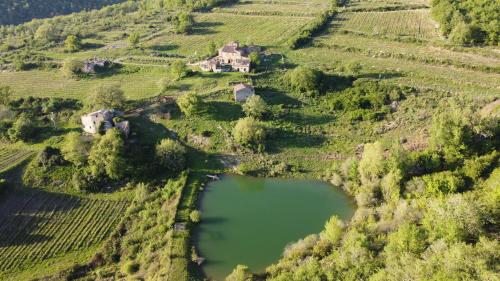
(76, 149)
(72, 43)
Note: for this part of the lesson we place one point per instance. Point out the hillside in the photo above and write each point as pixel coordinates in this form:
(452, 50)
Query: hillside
(19, 11)
(368, 95)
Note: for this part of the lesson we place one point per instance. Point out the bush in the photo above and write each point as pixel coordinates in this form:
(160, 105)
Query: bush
(305, 80)
(131, 267)
(72, 43)
(255, 107)
(439, 184)
(195, 216)
(22, 129)
(178, 69)
(171, 155)
(106, 156)
(183, 22)
(190, 104)
(71, 68)
(250, 133)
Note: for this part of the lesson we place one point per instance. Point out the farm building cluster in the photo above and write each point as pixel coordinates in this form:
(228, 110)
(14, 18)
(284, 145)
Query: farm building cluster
(103, 120)
(231, 57)
(91, 65)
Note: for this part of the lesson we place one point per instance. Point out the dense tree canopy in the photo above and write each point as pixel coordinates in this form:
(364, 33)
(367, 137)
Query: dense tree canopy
(107, 97)
(106, 158)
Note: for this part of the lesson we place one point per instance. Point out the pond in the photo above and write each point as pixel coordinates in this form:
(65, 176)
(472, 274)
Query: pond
(250, 220)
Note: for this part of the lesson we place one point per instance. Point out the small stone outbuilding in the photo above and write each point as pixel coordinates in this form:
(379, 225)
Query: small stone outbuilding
(103, 120)
(242, 92)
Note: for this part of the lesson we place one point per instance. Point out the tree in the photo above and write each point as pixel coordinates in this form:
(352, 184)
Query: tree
(305, 80)
(71, 68)
(372, 166)
(240, 273)
(195, 216)
(171, 155)
(46, 33)
(107, 97)
(250, 133)
(255, 107)
(72, 43)
(407, 239)
(164, 84)
(5, 94)
(22, 129)
(334, 228)
(133, 39)
(190, 104)
(461, 34)
(255, 59)
(178, 69)
(75, 149)
(211, 49)
(183, 22)
(106, 156)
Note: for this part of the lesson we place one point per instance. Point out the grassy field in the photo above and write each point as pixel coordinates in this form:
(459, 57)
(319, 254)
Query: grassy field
(410, 23)
(38, 226)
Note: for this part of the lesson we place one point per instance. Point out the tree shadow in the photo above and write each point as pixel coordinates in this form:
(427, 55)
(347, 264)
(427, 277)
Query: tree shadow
(224, 111)
(334, 83)
(205, 28)
(91, 46)
(164, 48)
(286, 138)
(25, 210)
(273, 96)
(309, 120)
(380, 75)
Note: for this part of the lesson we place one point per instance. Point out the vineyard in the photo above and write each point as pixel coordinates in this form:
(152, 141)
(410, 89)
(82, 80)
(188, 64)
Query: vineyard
(10, 157)
(411, 23)
(36, 226)
(279, 8)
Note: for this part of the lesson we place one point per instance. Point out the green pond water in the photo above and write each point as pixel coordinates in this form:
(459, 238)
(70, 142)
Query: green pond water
(250, 220)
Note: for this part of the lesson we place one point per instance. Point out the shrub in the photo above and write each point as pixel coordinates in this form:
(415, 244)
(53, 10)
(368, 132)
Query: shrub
(195, 216)
(71, 68)
(171, 155)
(178, 69)
(334, 228)
(190, 104)
(305, 80)
(183, 22)
(22, 129)
(106, 156)
(250, 133)
(76, 149)
(131, 267)
(255, 107)
(439, 184)
(133, 39)
(72, 43)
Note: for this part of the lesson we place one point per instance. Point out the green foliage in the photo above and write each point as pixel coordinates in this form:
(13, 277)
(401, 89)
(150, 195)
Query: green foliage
(71, 68)
(18, 11)
(134, 39)
(164, 84)
(478, 167)
(46, 33)
(468, 22)
(334, 229)
(255, 107)
(372, 165)
(106, 156)
(250, 133)
(408, 239)
(170, 155)
(305, 80)
(178, 70)
(451, 133)
(212, 49)
(240, 273)
(195, 216)
(183, 22)
(22, 129)
(312, 29)
(76, 149)
(255, 59)
(131, 267)
(5, 94)
(107, 97)
(190, 104)
(72, 43)
(439, 184)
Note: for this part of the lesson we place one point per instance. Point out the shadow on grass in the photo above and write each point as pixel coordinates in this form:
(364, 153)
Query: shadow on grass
(224, 111)
(283, 138)
(205, 28)
(164, 48)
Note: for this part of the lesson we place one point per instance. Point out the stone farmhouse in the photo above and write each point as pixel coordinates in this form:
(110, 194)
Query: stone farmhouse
(242, 92)
(231, 57)
(104, 120)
